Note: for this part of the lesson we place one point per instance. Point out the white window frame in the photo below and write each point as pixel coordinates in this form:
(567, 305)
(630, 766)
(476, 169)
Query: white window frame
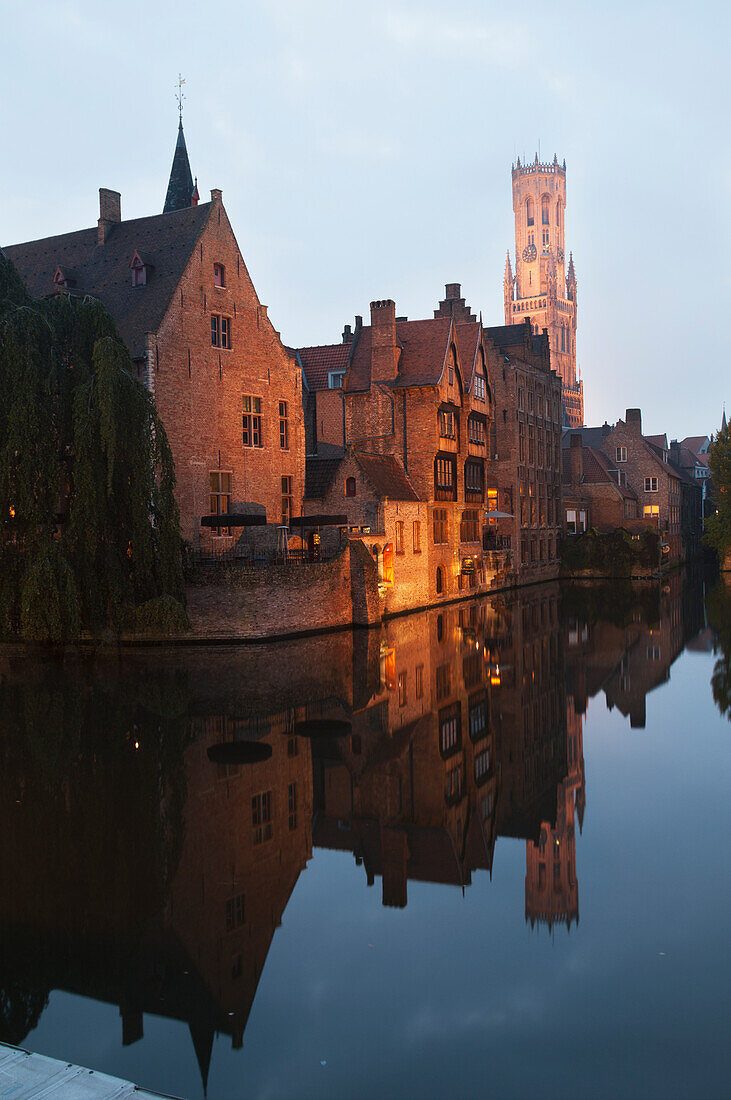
(621, 454)
(651, 485)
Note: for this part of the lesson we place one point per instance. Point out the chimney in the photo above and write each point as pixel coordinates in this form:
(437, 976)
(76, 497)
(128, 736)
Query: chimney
(216, 195)
(633, 417)
(384, 349)
(453, 290)
(347, 335)
(110, 212)
(576, 462)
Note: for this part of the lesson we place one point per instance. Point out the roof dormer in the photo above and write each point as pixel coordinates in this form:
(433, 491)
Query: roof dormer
(142, 268)
(64, 278)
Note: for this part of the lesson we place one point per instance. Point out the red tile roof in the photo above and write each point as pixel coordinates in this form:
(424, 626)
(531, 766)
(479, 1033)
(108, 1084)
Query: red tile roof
(317, 363)
(597, 471)
(386, 476)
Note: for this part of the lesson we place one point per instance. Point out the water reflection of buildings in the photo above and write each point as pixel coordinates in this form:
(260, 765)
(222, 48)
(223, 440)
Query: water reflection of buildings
(464, 740)
(137, 872)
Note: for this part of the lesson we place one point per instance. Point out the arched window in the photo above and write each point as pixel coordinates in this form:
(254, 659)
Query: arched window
(529, 211)
(440, 579)
(544, 209)
(350, 486)
(563, 337)
(558, 212)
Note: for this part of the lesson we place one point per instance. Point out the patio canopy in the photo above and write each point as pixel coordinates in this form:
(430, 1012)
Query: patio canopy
(495, 513)
(233, 519)
(318, 521)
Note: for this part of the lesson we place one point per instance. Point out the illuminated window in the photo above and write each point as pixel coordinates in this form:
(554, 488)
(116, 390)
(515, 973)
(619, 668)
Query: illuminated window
(651, 511)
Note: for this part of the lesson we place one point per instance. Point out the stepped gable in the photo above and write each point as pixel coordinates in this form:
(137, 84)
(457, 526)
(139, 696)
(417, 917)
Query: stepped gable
(103, 270)
(386, 476)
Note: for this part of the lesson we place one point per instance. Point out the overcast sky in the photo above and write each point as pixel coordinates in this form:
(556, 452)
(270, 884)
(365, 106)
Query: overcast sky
(364, 151)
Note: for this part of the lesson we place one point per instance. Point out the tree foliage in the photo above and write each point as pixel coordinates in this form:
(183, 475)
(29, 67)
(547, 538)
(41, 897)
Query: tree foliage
(718, 526)
(89, 526)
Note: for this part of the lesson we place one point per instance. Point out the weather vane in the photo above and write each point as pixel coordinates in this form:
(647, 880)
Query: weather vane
(179, 95)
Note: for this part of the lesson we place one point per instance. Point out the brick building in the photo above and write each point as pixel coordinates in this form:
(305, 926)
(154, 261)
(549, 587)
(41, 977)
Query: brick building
(419, 394)
(592, 493)
(645, 468)
(543, 290)
(228, 392)
(525, 448)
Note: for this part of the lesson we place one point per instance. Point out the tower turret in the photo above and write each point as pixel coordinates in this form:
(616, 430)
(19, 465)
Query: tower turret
(537, 294)
(181, 189)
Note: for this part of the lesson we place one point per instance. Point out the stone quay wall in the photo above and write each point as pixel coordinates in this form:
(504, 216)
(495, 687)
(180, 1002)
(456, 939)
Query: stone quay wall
(236, 601)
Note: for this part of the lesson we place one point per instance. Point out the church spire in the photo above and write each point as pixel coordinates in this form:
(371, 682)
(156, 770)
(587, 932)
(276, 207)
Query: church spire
(508, 273)
(180, 187)
(723, 419)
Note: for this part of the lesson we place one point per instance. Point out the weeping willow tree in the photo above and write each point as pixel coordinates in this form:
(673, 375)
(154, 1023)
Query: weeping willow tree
(90, 526)
(718, 525)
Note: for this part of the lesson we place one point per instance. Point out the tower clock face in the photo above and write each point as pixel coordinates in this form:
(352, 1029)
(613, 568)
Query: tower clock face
(559, 255)
(529, 253)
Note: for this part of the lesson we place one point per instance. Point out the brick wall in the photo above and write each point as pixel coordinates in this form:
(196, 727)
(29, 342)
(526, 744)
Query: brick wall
(240, 602)
(642, 462)
(516, 476)
(198, 388)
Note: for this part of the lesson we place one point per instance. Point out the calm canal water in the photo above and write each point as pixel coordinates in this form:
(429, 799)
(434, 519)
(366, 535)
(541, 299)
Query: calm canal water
(480, 851)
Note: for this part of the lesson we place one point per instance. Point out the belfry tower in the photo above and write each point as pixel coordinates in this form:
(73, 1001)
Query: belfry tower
(542, 289)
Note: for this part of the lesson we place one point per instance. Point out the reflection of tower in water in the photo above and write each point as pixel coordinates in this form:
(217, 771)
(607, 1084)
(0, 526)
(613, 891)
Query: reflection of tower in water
(551, 884)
